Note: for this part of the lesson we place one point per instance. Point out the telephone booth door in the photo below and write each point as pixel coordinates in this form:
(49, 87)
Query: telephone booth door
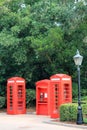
(55, 100)
(10, 98)
(67, 91)
(21, 98)
(16, 96)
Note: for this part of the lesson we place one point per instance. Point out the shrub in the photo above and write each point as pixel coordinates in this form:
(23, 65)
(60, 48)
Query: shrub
(84, 109)
(30, 97)
(83, 92)
(68, 112)
(2, 102)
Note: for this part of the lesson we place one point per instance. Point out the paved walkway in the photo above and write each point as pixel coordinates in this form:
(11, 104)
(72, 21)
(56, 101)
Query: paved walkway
(31, 121)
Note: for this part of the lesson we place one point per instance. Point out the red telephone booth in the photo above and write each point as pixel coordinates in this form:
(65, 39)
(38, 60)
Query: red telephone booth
(16, 103)
(43, 97)
(61, 92)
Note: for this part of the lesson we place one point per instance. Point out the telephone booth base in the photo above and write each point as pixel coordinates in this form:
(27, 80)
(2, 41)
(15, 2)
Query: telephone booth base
(55, 116)
(42, 109)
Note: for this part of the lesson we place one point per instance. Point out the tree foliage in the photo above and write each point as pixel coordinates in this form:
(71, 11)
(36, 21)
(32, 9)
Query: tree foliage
(39, 38)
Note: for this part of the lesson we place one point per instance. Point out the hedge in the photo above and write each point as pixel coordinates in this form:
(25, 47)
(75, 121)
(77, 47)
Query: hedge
(68, 112)
(2, 102)
(30, 98)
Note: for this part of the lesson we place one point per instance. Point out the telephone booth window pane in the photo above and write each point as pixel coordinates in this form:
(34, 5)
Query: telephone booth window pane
(20, 97)
(66, 92)
(11, 98)
(56, 95)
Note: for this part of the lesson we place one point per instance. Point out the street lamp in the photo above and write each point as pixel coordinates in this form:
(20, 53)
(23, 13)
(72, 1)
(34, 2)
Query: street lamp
(78, 61)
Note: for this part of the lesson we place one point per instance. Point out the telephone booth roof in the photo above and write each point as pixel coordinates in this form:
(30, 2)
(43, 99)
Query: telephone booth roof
(16, 78)
(60, 76)
(44, 81)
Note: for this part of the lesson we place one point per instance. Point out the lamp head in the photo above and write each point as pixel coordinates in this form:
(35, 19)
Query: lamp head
(78, 58)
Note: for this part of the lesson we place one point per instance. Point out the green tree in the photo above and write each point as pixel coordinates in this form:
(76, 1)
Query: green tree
(39, 38)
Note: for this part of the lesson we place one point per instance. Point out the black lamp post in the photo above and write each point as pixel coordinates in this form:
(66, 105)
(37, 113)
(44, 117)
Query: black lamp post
(78, 60)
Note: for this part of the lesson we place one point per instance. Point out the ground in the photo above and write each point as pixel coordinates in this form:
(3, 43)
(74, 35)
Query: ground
(33, 109)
